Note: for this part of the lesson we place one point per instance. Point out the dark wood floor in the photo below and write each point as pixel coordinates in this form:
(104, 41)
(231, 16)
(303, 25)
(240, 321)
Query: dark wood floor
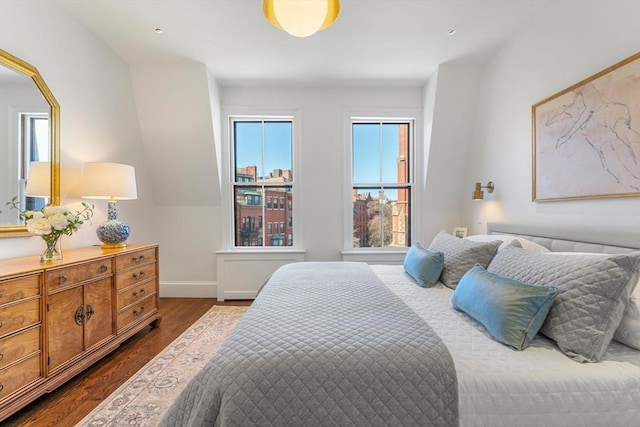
(72, 401)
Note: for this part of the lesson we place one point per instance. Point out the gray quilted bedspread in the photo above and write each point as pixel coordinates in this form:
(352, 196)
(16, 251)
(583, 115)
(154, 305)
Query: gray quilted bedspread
(324, 344)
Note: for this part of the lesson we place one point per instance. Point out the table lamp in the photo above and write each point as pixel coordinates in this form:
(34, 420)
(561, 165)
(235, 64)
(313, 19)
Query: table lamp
(39, 180)
(110, 181)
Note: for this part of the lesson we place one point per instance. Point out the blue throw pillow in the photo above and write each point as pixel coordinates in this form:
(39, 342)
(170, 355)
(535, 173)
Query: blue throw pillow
(512, 311)
(423, 265)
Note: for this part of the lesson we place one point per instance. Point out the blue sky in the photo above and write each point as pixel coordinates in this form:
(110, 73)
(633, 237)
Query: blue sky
(371, 143)
(277, 145)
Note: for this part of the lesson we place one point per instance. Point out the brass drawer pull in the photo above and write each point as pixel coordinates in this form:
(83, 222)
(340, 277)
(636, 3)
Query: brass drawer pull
(1, 356)
(139, 293)
(1, 387)
(1, 295)
(61, 279)
(103, 268)
(138, 312)
(1, 324)
(138, 275)
(80, 315)
(90, 312)
(138, 259)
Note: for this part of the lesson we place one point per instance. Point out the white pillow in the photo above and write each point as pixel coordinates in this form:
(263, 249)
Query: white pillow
(506, 240)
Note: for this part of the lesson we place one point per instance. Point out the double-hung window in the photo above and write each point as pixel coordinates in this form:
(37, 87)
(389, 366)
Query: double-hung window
(381, 182)
(262, 180)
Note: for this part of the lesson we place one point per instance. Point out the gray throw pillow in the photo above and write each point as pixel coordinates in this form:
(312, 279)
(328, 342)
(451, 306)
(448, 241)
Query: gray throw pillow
(460, 255)
(593, 295)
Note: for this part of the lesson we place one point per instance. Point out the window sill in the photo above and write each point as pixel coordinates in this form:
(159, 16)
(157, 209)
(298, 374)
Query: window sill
(251, 250)
(375, 256)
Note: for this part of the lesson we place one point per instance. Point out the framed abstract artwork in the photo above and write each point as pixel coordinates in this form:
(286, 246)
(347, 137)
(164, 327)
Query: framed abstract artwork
(586, 138)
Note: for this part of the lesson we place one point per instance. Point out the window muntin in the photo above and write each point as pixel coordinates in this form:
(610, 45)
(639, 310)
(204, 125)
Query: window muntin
(381, 183)
(263, 181)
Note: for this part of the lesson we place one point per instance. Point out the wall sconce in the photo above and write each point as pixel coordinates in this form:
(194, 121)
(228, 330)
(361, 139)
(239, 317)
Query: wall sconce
(110, 181)
(301, 18)
(478, 194)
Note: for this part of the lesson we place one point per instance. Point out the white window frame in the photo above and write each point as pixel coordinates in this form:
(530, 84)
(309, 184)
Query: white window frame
(227, 235)
(383, 254)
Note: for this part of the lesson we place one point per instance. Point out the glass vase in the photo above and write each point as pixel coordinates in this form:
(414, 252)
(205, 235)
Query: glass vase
(52, 250)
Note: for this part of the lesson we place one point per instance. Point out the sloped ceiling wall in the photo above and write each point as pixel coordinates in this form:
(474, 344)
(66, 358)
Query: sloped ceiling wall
(175, 113)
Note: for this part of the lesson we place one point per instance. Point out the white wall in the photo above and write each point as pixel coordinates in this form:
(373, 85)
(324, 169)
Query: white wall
(451, 97)
(179, 111)
(98, 122)
(561, 46)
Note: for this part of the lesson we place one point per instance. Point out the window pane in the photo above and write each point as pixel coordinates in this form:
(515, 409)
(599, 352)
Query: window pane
(395, 153)
(248, 216)
(381, 217)
(361, 198)
(248, 151)
(366, 152)
(281, 220)
(278, 151)
(400, 201)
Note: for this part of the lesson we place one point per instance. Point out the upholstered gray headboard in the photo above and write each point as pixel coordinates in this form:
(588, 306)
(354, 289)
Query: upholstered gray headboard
(564, 239)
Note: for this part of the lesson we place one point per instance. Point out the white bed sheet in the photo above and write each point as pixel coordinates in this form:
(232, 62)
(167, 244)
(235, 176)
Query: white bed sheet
(539, 386)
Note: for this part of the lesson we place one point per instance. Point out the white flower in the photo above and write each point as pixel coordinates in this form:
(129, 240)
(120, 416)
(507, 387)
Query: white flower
(39, 226)
(58, 221)
(33, 214)
(51, 222)
(49, 211)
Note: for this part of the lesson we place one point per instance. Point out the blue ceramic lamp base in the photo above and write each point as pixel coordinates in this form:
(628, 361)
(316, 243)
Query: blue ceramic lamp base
(113, 233)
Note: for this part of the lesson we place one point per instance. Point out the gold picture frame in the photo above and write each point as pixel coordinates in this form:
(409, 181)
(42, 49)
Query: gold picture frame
(586, 138)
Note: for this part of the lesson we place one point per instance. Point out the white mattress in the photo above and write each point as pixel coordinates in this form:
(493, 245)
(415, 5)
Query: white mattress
(539, 386)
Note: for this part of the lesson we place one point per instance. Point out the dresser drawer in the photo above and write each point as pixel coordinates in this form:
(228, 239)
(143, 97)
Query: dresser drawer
(77, 273)
(136, 293)
(15, 377)
(135, 275)
(18, 316)
(135, 259)
(16, 289)
(136, 312)
(18, 346)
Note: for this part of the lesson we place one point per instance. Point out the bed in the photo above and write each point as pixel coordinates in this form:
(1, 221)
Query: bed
(352, 344)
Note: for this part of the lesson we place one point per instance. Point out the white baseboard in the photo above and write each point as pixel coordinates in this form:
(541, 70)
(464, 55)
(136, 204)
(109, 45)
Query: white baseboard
(188, 289)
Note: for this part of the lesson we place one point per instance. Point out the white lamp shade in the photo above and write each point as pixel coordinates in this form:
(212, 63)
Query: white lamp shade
(115, 181)
(39, 180)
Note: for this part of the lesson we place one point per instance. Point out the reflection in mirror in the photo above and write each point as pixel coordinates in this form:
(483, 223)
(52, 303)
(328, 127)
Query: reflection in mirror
(29, 126)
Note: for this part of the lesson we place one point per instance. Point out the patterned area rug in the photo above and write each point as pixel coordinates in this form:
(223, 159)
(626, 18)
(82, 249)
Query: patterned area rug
(146, 396)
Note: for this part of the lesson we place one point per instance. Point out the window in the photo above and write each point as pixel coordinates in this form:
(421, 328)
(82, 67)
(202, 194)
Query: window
(262, 170)
(381, 182)
(34, 146)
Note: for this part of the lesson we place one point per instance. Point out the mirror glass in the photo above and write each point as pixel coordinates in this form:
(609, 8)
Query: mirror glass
(29, 123)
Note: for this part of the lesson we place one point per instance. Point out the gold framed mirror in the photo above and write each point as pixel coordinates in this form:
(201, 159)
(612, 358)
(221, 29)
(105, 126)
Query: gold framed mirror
(29, 131)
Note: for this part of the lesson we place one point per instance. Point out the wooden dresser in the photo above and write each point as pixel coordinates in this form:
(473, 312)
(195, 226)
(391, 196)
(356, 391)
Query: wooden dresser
(59, 317)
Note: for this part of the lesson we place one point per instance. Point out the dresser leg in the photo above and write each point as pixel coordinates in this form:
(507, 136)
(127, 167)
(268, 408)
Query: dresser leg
(156, 322)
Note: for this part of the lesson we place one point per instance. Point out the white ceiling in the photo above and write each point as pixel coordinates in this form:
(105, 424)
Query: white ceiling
(373, 41)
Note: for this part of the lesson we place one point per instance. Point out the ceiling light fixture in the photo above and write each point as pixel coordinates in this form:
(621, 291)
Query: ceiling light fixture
(158, 30)
(301, 18)
(451, 32)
